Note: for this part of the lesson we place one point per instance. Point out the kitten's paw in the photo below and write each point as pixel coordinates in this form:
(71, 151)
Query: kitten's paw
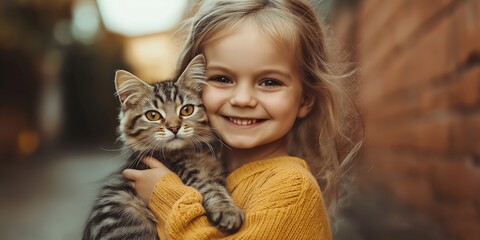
(228, 219)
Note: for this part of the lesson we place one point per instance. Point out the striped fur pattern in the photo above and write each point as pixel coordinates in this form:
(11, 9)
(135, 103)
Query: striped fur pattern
(165, 120)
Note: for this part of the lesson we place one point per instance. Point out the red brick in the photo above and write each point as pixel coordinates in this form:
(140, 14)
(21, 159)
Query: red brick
(477, 188)
(374, 169)
(374, 15)
(460, 220)
(397, 30)
(378, 161)
(424, 134)
(421, 105)
(368, 8)
(391, 109)
(466, 29)
(462, 91)
(402, 174)
(453, 181)
(343, 29)
(414, 191)
(431, 135)
(371, 89)
(427, 59)
(466, 91)
(435, 98)
(396, 165)
(465, 137)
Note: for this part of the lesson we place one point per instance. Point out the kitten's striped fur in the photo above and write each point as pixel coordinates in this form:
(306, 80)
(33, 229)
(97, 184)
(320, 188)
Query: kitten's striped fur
(181, 139)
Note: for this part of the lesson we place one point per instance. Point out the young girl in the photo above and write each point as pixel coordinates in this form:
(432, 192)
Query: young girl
(280, 110)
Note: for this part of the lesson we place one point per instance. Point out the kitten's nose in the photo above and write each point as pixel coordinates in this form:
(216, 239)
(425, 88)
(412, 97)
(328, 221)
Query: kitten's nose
(174, 130)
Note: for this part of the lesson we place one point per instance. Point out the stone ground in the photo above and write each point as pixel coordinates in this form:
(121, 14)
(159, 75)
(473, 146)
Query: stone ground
(49, 198)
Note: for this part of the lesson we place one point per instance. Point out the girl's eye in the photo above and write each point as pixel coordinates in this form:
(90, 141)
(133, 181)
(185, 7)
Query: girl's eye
(153, 115)
(271, 83)
(186, 110)
(220, 79)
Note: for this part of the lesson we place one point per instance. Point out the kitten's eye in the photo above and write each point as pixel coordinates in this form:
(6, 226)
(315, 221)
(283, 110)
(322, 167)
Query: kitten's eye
(153, 115)
(186, 110)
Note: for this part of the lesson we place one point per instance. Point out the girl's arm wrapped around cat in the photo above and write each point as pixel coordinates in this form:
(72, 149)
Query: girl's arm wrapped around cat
(180, 215)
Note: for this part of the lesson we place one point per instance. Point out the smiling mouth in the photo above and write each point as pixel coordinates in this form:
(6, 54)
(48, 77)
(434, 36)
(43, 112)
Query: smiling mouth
(243, 121)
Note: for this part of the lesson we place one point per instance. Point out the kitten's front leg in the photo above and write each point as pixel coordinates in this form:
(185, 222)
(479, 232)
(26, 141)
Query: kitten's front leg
(220, 208)
(209, 180)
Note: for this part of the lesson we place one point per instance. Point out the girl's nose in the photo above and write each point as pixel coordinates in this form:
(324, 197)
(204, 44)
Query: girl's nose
(243, 96)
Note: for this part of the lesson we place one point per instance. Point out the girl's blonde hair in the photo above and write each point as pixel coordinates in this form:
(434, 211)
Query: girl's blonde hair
(324, 137)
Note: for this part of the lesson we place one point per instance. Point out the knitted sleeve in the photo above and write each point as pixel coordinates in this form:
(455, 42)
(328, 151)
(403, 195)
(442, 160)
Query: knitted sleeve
(286, 207)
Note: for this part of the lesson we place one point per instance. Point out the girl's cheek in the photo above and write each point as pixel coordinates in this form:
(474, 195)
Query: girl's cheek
(211, 97)
(206, 93)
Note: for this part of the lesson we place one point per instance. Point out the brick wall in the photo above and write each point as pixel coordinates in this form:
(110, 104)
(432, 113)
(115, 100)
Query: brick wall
(420, 93)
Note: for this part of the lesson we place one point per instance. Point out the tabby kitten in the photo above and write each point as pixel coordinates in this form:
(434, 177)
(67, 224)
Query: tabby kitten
(166, 120)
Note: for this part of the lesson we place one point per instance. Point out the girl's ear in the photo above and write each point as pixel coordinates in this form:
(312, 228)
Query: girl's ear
(306, 106)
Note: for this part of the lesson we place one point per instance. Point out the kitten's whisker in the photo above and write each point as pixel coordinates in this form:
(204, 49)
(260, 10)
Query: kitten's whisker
(110, 150)
(128, 153)
(194, 143)
(210, 147)
(151, 151)
(135, 162)
(162, 152)
(199, 141)
(118, 139)
(216, 136)
(154, 149)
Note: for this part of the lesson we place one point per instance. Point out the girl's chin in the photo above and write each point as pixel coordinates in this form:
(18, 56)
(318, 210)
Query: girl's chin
(238, 144)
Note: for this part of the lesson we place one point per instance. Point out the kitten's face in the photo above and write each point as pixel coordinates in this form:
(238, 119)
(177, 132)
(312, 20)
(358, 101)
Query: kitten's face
(163, 116)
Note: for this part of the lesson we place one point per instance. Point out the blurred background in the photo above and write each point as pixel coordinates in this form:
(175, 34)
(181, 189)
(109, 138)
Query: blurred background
(419, 91)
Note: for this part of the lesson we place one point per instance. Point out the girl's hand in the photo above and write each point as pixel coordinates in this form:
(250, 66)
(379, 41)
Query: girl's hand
(144, 180)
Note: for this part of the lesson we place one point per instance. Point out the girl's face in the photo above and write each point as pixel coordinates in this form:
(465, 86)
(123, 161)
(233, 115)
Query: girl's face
(254, 92)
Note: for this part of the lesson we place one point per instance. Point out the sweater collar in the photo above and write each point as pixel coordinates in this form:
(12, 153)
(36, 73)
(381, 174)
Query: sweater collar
(252, 168)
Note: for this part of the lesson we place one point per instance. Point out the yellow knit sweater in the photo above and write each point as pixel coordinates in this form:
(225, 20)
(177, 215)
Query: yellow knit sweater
(279, 196)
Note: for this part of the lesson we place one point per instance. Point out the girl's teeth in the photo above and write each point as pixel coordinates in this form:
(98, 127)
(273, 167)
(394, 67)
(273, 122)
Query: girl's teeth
(242, 122)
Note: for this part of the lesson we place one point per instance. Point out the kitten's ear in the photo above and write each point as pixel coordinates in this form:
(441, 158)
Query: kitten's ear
(193, 77)
(130, 88)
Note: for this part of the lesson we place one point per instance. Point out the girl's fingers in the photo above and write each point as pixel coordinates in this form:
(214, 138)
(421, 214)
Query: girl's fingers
(131, 174)
(152, 162)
